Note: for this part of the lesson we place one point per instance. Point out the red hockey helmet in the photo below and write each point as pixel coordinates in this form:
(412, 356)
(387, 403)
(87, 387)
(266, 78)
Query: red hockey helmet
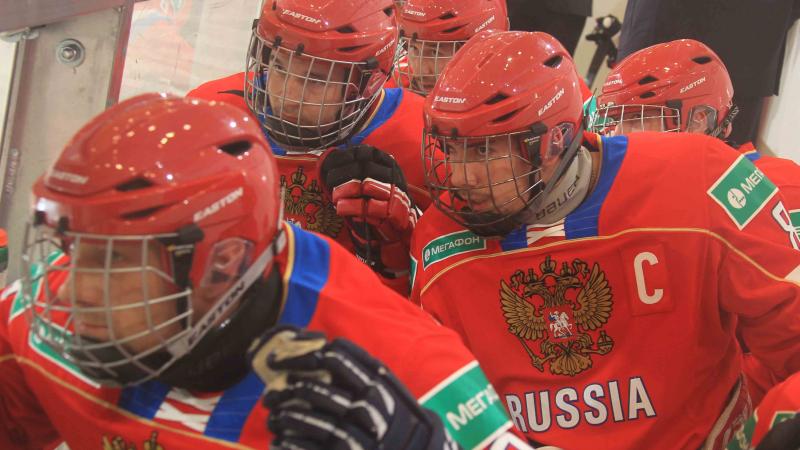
(431, 31)
(159, 214)
(315, 68)
(677, 86)
(502, 121)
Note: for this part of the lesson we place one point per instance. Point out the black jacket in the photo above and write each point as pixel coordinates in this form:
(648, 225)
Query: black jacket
(749, 35)
(576, 7)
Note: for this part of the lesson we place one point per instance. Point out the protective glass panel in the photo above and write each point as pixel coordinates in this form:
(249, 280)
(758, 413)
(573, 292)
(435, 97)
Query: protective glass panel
(176, 45)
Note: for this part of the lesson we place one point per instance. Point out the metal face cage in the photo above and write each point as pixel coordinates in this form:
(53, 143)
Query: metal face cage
(306, 102)
(120, 308)
(625, 119)
(423, 62)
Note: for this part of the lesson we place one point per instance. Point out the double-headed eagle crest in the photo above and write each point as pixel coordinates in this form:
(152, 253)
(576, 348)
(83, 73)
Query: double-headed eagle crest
(305, 206)
(564, 312)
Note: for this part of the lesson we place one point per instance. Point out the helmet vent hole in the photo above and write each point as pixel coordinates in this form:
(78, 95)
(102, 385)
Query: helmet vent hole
(505, 117)
(236, 148)
(554, 62)
(351, 49)
(142, 213)
(388, 11)
(496, 99)
(447, 16)
(702, 60)
(347, 29)
(648, 94)
(452, 30)
(134, 184)
(647, 79)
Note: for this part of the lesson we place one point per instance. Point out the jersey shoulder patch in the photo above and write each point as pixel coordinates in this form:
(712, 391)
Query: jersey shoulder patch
(742, 191)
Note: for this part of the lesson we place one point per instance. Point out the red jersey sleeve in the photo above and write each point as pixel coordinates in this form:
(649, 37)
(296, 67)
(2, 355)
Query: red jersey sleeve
(759, 275)
(23, 423)
(429, 359)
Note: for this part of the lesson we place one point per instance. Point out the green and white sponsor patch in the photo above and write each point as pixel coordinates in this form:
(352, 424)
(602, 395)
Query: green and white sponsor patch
(469, 406)
(449, 245)
(742, 191)
(59, 335)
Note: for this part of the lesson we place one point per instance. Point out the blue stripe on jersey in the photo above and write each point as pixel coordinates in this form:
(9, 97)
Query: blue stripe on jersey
(234, 407)
(391, 100)
(516, 239)
(310, 271)
(144, 399)
(753, 156)
(583, 222)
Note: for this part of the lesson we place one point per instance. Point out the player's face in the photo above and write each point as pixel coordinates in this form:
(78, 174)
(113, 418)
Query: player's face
(427, 59)
(111, 305)
(490, 176)
(305, 91)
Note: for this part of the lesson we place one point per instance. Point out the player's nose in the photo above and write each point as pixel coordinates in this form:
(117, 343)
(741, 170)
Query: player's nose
(466, 175)
(82, 290)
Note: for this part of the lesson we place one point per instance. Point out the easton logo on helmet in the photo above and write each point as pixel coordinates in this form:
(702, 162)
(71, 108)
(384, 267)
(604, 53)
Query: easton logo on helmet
(693, 85)
(484, 24)
(552, 102)
(453, 100)
(69, 177)
(297, 15)
(385, 47)
(415, 13)
(218, 205)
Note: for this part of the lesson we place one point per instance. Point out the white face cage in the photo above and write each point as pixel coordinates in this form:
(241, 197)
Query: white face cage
(424, 61)
(305, 102)
(107, 304)
(615, 120)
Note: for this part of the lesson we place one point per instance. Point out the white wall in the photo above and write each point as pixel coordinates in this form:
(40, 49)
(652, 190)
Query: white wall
(586, 49)
(778, 129)
(7, 51)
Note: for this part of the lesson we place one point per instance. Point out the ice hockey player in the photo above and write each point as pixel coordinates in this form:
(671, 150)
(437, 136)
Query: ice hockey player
(156, 254)
(576, 270)
(315, 77)
(431, 31)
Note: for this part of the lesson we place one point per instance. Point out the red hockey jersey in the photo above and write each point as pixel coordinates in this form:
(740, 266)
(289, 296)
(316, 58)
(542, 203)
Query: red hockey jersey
(42, 395)
(781, 403)
(394, 127)
(615, 327)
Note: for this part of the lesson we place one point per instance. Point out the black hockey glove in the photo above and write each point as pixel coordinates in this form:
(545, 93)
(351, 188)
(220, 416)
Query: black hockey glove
(333, 395)
(368, 189)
